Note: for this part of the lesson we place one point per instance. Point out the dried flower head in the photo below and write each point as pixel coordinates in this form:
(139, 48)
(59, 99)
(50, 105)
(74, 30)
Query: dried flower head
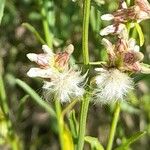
(60, 80)
(124, 55)
(66, 86)
(111, 85)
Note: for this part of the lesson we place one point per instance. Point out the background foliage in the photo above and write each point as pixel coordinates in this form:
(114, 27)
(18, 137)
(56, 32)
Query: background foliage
(37, 130)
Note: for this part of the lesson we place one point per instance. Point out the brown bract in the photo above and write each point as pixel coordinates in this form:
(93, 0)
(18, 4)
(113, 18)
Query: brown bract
(124, 55)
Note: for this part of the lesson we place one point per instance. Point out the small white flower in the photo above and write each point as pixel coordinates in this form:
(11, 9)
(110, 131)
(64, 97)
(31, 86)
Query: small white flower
(111, 85)
(45, 59)
(133, 46)
(107, 17)
(139, 12)
(108, 45)
(111, 29)
(43, 73)
(143, 9)
(65, 86)
(124, 5)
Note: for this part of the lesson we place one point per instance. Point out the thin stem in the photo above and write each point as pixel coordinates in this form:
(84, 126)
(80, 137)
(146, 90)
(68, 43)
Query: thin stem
(86, 14)
(47, 32)
(113, 127)
(3, 100)
(85, 101)
(128, 2)
(60, 123)
(93, 63)
(5, 109)
(68, 108)
(97, 63)
(82, 124)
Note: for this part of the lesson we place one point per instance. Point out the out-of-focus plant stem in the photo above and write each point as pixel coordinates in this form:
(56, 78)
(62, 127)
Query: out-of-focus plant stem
(47, 32)
(4, 106)
(113, 126)
(85, 101)
(60, 123)
(36, 97)
(3, 101)
(128, 2)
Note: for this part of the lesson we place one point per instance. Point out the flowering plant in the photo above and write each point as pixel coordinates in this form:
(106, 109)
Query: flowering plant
(74, 84)
(60, 81)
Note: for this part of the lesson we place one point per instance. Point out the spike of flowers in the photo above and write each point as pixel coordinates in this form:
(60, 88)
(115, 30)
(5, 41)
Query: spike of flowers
(60, 80)
(137, 13)
(113, 82)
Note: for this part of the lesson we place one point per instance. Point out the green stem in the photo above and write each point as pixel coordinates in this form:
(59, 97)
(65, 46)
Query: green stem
(86, 14)
(68, 108)
(60, 123)
(85, 101)
(113, 127)
(82, 123)
(47, 32)
(128, 2)
(5, 109)
(3, 101)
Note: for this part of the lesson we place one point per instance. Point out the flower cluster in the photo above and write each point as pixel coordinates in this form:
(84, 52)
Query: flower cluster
(60, 80)
(124, 57)
(112, 81)
(137, 13)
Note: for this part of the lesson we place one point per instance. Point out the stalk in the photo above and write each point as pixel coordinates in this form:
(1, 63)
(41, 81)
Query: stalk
(85, 28)
(82, 123)
(113, 126)
(47, 32)
(60, 123)
(5, 109)
(85, 101)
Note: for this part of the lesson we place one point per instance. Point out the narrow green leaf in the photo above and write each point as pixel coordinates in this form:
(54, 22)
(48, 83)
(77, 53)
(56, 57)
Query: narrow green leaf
(95, 144)
(131, 140)
(129, 108)
(21, 105)
(2, 4)
(68, 141)
(48, 19)
(97, 4)
(34, 31)
(140, 33)
(73, 124)
(3, 99)
(36, 97)
(93, 19)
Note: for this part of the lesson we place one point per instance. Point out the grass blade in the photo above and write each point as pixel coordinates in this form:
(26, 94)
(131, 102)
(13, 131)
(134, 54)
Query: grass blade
(131, 140)
(2, 4)
(34, 31)
(35, 97)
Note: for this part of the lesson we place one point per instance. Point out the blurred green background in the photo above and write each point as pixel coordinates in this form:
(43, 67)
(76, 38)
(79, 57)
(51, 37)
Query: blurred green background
(36, 129)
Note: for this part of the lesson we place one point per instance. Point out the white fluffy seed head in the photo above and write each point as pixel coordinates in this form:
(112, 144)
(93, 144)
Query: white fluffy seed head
(65, 87)
(111, 85)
